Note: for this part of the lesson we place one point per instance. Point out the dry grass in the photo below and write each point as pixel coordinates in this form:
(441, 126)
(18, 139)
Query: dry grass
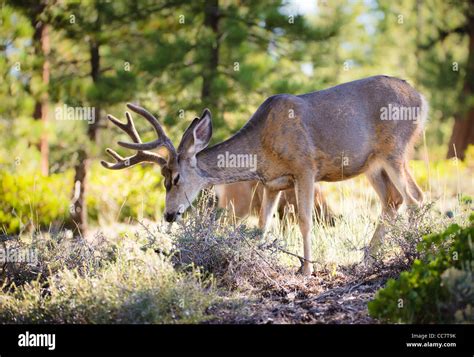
(238, 256)
(106, 281)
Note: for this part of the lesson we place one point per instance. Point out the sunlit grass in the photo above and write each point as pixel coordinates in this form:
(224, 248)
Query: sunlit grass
(106, 281)
(357, 208)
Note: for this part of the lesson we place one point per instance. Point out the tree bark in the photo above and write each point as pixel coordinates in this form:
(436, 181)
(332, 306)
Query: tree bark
(95, 74)
(463, 130)
(42, 49)
(211, 21)
(78, 205)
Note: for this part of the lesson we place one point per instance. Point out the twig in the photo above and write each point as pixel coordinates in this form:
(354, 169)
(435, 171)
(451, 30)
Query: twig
(355, 286)
(302, 259)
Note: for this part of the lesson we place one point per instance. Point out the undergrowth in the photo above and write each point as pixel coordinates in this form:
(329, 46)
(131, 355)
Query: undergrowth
(180, 273)
(74, 281)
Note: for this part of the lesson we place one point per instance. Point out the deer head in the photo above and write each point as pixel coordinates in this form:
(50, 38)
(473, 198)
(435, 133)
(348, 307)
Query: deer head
(179, 167)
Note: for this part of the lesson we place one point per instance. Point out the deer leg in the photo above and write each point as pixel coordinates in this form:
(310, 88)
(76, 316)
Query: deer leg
(397, 173)
(304, 189)
(391, 201)
(269, 203)
(414, 188)
(323, 211)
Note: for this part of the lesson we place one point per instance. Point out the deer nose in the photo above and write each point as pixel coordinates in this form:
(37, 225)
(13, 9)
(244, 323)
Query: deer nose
(170, 217)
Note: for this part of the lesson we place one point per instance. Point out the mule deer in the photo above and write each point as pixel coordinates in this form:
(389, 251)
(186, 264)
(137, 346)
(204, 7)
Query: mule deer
(245, 199)
(297, 140)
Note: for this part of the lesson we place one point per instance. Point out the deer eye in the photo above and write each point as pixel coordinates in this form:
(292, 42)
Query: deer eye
(176, 180)
(167, 185)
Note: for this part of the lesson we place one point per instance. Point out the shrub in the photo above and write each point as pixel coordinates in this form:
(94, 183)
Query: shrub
(405, 232)
(460, 284)
(132, 285)
(235, 254)
(32, 200)
(51, 252)
(439, 287)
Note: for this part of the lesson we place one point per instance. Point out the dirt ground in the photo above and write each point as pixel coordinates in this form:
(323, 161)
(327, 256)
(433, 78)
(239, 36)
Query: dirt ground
(327, 297)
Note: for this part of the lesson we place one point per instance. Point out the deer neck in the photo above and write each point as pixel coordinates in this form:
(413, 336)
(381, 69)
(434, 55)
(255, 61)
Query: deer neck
(233, 160)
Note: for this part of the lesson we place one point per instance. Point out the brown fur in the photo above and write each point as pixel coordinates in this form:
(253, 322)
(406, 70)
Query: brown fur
(327, 135)
(245, 199)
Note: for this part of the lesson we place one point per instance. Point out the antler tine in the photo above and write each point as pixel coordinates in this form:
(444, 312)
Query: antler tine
(128, 127)
(140, 156)
(162, 139)
(148, 116)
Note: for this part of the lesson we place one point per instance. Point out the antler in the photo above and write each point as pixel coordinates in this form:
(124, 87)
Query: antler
(141, 155)
(162, 139)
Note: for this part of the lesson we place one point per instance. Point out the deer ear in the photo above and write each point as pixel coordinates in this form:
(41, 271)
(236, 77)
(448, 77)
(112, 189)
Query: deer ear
(187, 137)
(197, 136)
(202, 132)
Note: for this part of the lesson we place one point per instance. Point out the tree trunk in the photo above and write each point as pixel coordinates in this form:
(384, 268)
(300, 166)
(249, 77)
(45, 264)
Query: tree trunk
(42, 49)
(79, 206)
(211, 20)
(95, 74)
(463, 129)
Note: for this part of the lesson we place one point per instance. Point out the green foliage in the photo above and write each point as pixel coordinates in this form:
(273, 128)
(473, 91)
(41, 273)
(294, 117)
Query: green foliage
(121, 195)
(32, 200)
(16, 63)
(439, 287)
(460, 284)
